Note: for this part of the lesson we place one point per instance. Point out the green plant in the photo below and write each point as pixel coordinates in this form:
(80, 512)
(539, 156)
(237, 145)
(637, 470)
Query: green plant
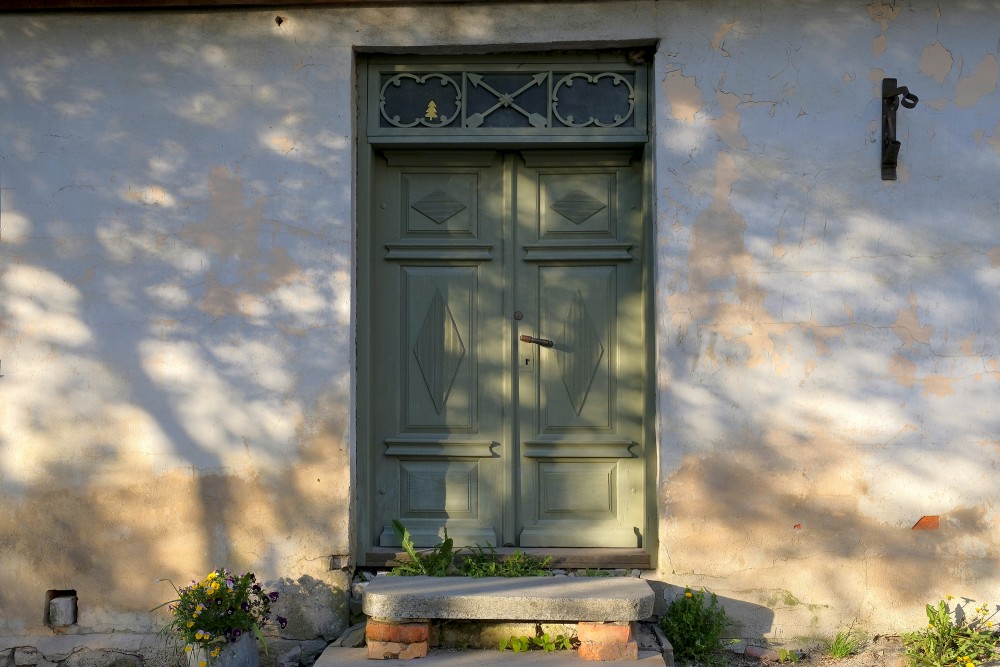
(787, 655)
(695, 628)
(218, 610)
(591, 572)
(516, 644)
(844, 644)
(439, 561)
(550, 644)
(487, 563)
(954, 636)
(545, 642)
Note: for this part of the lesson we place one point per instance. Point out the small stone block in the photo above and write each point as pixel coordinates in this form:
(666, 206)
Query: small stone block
(618, 632)
(62, 611)
(396, 650)
(403, 633)
(490, 634)
(608, 651)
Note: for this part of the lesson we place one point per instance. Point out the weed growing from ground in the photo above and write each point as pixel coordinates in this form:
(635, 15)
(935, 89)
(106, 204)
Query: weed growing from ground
(545, 642)
(955, 636)
(439, 561)
(845, 644)
(487, 563)
(695, 628)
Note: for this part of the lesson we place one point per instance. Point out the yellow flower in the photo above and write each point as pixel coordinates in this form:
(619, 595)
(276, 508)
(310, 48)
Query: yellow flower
(215, 653)
(190, 624)
(203, 663)
(198, 635)
(187, 649)
(688, 594)
(947, 597)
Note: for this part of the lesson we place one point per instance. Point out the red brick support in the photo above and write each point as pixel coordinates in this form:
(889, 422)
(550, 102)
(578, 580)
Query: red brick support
(607, 641)
(389, 639)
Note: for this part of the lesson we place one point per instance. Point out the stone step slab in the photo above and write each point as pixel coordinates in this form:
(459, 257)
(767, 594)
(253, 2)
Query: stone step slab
(510, 598)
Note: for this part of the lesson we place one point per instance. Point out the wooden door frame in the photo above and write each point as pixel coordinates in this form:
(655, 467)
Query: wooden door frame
(361, 534)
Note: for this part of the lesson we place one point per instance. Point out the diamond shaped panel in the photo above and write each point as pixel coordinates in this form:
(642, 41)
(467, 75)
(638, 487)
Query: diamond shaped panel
(438, 206)
(576, 206)
(439, 350)
(583, 353)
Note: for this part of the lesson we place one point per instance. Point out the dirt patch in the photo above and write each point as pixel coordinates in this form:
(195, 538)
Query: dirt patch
(879, 651)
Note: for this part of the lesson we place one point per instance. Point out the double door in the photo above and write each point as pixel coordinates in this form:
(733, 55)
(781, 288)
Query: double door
(506, 373)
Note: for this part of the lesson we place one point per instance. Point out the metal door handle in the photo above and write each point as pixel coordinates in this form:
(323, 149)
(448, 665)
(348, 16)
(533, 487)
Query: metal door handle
(541, 342)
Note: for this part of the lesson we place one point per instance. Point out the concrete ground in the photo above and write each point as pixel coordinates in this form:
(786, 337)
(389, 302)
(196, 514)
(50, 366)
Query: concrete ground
(357, 657)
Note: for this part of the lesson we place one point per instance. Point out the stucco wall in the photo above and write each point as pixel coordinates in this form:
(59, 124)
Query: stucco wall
(176, 197)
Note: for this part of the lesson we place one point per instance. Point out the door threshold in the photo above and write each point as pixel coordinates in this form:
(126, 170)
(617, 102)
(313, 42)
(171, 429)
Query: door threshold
(562, 557)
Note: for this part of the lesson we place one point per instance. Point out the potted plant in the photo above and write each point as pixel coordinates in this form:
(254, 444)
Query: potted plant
(220, 618)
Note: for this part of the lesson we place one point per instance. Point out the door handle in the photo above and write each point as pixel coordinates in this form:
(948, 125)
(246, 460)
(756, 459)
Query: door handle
(541, 342)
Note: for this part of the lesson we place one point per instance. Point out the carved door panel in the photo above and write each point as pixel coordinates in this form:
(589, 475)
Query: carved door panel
(498, 440)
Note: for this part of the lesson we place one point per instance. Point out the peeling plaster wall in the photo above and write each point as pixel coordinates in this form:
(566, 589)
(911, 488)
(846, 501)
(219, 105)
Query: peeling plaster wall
(176, 310)
(828, 342)
(175, 345)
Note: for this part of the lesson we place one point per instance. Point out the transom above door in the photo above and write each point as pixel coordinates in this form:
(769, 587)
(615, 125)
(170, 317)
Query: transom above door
(507, 401)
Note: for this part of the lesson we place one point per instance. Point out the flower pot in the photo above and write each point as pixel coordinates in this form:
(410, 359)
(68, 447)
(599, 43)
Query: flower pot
(241, 653)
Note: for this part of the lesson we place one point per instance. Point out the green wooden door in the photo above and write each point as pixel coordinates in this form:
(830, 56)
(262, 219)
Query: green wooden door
(507, 379)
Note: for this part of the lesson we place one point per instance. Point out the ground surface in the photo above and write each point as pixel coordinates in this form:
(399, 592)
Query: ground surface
(880, 651)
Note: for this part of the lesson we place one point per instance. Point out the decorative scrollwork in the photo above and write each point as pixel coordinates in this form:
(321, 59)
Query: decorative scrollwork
(425, 117)
(566, 83)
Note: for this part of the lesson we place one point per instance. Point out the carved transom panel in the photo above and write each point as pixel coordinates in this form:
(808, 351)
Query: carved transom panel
(605, 96)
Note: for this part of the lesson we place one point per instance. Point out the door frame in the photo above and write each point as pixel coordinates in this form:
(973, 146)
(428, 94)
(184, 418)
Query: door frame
(363, 538)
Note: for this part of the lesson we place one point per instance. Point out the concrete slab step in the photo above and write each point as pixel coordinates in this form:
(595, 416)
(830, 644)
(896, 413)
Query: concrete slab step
(510, 598)
(357, 657)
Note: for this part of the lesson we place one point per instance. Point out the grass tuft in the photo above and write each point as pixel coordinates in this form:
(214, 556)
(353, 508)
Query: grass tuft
(845, 644)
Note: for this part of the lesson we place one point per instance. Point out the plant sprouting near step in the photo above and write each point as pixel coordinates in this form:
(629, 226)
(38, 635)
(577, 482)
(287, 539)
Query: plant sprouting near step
(787, 655)
(958, 635)
(544, 641)
(438, 561)
(846, 643)
(695, 628)
(487, 563)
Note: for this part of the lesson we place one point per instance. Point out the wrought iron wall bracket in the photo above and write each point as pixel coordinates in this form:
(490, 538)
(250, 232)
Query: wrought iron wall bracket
(892, 97)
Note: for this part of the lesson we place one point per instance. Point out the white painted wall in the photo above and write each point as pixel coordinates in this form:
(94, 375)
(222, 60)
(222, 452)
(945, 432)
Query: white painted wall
(176, 197)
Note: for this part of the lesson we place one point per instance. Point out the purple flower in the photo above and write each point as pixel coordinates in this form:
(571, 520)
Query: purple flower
(245, 606)
(282, 621)
(236, 633)
(256, 587)
(273, 595)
